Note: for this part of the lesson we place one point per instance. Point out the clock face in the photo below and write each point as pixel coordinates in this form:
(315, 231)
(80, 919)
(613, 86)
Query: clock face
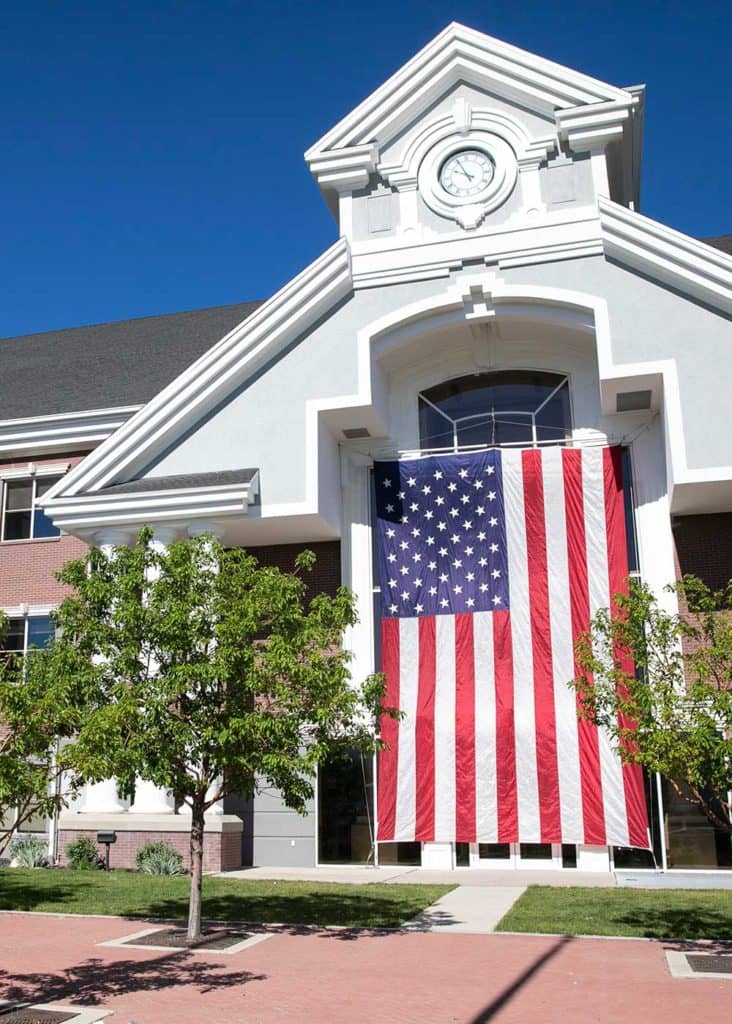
(467, 173)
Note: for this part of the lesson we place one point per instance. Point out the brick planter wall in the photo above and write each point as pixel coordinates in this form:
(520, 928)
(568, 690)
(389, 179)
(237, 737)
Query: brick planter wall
(221, 850)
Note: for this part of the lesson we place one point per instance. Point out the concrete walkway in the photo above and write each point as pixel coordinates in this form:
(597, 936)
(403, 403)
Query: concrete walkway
(470, 910)
(463, 877)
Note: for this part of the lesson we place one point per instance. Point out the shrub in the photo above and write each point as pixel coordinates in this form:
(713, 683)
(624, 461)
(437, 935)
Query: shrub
(83, 854)
(158, 859)
(29, 852)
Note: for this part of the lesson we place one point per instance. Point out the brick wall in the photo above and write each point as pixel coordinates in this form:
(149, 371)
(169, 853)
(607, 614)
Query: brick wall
(704, 547)
(325, 577)
(27, 567)
(221, 850)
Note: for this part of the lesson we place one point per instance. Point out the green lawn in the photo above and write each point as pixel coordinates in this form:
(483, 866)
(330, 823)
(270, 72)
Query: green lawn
(648, 913)
(224, 899)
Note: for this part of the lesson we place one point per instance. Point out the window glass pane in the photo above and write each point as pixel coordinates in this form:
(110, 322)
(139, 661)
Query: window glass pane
(345, 814)
(494, 851)
(18, 494)
(496, 409)
(44, 484)
(40, 631)
(692, 841)
(42, 525)
(15, 635)
(536, 851)
(17, 525)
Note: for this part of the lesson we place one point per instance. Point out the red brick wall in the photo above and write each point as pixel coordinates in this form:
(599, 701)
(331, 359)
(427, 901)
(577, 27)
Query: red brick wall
(221, 850)
(704, 547)
(325, 577)
(27, 567)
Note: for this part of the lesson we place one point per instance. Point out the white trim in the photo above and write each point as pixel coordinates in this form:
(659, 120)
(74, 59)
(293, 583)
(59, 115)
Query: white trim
(93, 511)
(694, 268)
(65, 430)
(457, 54)
(198, 389)
(28, 611)
(30, 471)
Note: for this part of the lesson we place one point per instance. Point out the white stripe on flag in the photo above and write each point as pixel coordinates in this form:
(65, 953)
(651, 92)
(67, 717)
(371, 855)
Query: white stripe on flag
(405, 823)
(560, 623)
(445, 728)
(523, 665)
(593, 485)
(486, 800)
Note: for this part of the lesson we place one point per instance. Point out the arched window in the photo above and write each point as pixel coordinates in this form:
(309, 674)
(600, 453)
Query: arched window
(521, 408)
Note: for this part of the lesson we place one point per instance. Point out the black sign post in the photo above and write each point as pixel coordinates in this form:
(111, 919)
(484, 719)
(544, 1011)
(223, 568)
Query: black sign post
(107, 838)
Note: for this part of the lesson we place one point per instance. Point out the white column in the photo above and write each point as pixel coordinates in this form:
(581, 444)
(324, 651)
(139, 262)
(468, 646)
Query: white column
(356, 565)
(149, 798)
(216, 530)
(102, 797)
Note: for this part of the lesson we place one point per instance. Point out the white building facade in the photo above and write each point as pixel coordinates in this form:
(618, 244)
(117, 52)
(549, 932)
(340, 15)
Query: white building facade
(493, 282)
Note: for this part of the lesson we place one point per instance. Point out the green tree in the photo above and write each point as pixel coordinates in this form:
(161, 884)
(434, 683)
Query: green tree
(661, 683)
(34, 720)
(207, 675)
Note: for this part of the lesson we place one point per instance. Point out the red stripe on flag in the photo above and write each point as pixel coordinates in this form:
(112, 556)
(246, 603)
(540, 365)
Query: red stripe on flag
(507, 794)
(465, 829)
(617, 551)
(541, 642)
(425, 733)
(589, 748)
(389, 758)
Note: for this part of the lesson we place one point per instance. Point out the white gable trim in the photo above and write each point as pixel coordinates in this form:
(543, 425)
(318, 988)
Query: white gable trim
(38, 434)
(690, 266)
(457, 53)
(215, 375)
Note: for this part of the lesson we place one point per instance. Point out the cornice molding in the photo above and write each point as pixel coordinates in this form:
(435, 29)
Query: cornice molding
(458, 54)
(243, 351)
(92, 512)
(65, 431)
(685, 264)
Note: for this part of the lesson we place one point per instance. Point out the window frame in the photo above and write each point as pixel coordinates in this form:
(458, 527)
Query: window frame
(44, 612)
(49, 476)
(563, 380)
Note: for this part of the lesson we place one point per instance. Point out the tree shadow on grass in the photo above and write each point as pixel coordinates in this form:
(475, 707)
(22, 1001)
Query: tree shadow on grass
(320, 910)
(669, 923)
(94, 980)
(16, 895)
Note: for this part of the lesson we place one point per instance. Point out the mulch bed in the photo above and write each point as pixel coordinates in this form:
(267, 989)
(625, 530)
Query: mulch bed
(175, 938)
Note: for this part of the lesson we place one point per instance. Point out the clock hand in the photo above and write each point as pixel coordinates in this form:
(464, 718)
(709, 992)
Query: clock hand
(468, 176)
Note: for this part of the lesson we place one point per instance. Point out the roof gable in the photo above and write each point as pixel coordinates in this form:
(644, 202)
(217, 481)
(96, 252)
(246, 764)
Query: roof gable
(349, 152)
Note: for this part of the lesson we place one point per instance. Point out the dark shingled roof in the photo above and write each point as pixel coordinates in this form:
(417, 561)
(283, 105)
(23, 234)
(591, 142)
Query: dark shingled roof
(107, 365)
(172, 483)
(723, 242)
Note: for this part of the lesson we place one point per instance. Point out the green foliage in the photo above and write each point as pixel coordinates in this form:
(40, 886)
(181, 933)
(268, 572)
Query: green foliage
(83, 854)
(204, 673)
(29, 851)
(158, 859)
(661, 683)
(39, 712)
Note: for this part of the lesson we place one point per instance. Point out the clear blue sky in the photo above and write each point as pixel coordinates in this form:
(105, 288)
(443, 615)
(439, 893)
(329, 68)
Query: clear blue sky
(151, 152)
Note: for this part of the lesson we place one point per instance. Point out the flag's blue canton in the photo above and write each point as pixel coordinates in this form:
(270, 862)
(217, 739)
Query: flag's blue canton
(441, 535)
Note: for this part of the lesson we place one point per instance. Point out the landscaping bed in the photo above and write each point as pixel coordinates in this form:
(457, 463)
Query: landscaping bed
(644, 913)
(129, 894)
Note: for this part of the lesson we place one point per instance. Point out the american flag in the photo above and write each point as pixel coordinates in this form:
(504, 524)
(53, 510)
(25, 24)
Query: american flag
(491, 564)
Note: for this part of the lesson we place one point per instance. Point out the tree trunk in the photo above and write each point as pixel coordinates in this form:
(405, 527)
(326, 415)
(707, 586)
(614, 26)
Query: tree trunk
(194, 903)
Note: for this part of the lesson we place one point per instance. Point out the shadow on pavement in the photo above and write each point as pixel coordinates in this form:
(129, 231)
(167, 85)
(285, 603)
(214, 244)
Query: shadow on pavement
(504, 997)
(95, 980)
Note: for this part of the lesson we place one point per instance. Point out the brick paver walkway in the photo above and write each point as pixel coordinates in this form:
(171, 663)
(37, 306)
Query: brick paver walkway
(327, 976)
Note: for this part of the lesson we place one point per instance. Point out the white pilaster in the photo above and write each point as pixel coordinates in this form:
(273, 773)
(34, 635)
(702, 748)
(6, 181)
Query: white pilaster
(653, 514)
(356, 558)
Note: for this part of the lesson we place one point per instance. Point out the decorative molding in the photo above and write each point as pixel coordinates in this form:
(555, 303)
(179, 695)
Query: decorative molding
(592, 127)
(457, 54)
(38, 434)
(32, 470)
(693, 268)
(243, 351)
(345, 170)
(91, 513)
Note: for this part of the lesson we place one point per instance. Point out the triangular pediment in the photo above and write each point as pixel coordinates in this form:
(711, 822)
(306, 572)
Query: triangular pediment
(579, 106)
